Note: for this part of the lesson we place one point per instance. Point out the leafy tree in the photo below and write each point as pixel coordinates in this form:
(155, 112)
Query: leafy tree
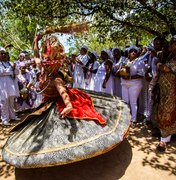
(147, 15)
(93, 42)
(122, 22)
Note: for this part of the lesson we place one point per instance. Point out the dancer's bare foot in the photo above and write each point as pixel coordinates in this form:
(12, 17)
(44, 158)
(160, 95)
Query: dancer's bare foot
(65, 111)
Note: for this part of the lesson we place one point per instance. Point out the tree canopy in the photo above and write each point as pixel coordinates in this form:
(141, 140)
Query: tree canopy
(120, 21)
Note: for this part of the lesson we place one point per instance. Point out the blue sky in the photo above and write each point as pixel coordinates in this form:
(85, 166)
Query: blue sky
(64, 41)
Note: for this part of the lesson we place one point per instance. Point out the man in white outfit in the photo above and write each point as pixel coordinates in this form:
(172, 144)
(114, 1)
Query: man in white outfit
(8, 88)
(78, 74)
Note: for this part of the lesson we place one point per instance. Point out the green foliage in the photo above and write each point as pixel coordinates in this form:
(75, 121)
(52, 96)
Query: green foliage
(114, 23)
(92, 40)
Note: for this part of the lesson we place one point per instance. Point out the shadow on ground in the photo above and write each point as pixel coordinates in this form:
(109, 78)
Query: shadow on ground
(109, 166)
(139, 147)
(5, 169)
(141, 139)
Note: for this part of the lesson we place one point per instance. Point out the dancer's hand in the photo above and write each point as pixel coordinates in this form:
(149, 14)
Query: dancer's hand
(65, 111)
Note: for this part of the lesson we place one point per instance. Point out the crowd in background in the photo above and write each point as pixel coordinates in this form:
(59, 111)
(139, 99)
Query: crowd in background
(145, 78)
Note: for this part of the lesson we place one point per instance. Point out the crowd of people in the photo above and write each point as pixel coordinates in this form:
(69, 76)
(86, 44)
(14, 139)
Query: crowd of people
(145, 78)
(19, 84)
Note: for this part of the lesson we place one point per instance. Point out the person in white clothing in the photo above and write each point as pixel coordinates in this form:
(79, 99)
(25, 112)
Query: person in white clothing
(116, 52)
(20, 60)
(25, 81)
(145, 97)
(104, 78)
(8, 88)
(92, 68)
(78, 74)
(132, 70)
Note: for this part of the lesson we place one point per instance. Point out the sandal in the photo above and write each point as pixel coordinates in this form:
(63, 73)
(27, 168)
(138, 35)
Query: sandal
(161, 146)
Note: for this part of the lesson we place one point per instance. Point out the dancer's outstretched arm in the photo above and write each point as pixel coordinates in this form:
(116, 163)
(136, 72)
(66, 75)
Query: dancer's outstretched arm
(36, 49)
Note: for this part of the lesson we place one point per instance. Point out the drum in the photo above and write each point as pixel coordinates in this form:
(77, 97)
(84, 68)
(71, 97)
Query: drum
(24, 93)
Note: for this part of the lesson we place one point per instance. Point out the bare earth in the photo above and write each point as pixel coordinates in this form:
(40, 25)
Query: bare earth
(135, 158)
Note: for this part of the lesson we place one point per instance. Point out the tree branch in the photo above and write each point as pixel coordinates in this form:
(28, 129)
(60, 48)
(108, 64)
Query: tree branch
(154, 11)
(129, 24)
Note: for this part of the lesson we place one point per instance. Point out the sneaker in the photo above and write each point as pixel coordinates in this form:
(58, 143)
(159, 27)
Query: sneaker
(6, 123)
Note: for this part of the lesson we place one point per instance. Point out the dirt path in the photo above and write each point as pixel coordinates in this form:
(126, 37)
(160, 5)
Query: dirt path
(135, 158)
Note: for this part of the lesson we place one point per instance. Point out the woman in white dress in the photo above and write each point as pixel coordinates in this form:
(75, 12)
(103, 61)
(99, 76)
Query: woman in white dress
(78, 74)
(116, 52)
(104, 78)
(92, 68)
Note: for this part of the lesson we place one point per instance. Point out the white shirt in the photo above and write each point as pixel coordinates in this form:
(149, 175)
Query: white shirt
(78, 74)
(8, 83)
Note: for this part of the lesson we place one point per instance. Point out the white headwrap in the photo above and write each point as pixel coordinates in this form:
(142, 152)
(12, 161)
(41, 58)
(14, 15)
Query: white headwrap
(85, 47)
(132, 47)
(95, 54)
(22, 54)
(2, 49)
(109, 53)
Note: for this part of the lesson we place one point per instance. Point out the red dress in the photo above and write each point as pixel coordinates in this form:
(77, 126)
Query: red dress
(83, 107)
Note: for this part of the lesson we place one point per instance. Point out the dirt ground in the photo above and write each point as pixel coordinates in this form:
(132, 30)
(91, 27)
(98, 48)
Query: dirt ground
(135, 158)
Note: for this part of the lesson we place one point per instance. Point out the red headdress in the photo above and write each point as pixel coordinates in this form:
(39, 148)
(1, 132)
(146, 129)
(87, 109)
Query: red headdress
(53, 53)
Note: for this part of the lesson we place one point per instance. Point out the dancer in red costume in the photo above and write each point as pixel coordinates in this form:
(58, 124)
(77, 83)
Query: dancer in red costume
(71, 124)
(72, 103)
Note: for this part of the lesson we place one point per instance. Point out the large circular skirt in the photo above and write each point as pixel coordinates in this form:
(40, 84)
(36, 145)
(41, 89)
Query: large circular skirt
(43, 139)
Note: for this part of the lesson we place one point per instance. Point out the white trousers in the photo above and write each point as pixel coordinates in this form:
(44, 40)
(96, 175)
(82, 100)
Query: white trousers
(166, 139)
(130, 94)
(7, 109)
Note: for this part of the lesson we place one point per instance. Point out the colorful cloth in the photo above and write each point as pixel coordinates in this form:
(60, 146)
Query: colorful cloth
(43, 139)
(83, 107)
(166, 114)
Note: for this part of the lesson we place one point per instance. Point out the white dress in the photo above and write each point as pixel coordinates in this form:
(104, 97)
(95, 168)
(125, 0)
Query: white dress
(117, 80)
(8, 91)
(78, 74)
(8, 84)
(99, 78)
(90, 77)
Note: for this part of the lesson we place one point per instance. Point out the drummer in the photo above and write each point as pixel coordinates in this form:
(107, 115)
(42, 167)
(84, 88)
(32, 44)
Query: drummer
(24, 82)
